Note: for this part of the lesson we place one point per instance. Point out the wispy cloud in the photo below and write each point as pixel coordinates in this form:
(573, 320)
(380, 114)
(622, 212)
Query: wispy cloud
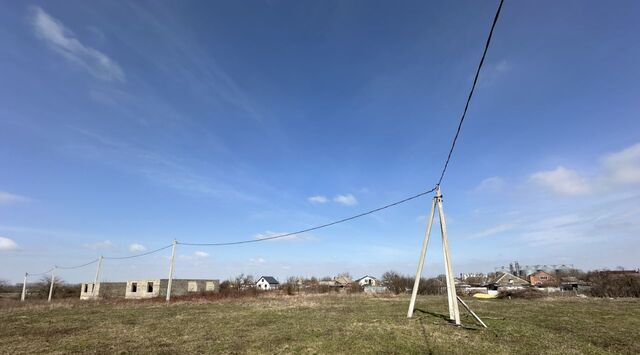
(7, 198)
(563, 181)
(614, 171)
(135, 247)
(494, 72)
(493, 231)
(185, 61)
(318, 199)
(63, 41)
(200, 254)
(103, 245)
(623, 167)
(7, 244)
(157, 168)
(198, 257)
(613, 220)
(257, 261)
(347, 200)
(492, 184)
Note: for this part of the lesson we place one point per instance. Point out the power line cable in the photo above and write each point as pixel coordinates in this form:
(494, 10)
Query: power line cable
(40, 273)
(96, 260)
(473, 87)
(77, 266)
(137, 255)
(316, 227)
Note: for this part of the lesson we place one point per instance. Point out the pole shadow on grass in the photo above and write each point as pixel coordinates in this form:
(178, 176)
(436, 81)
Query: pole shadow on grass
(441, 316)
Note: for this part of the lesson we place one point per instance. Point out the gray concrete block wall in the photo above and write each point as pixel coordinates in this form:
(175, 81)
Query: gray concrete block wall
(103, 290)
(183, 287)
(143, 289)
(110, 290)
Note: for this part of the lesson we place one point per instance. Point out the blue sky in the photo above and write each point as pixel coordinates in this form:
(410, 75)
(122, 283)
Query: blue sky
(124, 125)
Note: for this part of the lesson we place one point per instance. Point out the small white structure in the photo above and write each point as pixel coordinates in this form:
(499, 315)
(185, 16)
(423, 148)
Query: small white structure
(267, 283)
(368, 281)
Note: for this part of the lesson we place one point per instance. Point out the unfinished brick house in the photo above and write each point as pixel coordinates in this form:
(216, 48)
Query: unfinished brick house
(144, 289)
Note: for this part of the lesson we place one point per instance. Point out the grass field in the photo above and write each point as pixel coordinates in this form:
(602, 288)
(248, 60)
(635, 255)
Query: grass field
(322, 324)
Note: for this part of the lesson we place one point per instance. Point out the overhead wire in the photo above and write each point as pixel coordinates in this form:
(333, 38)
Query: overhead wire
(77, 266)
(96, 260)
(316, 227)
(137, 255)
(39, 273)
(473, 88)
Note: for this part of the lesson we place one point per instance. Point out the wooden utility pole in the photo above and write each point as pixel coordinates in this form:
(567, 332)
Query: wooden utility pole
(173, 255)
(53, 280)
(452, 297)
(24, 287)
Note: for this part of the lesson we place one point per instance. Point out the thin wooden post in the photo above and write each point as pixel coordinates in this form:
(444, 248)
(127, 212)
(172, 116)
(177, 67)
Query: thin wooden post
(24, 287)
(425, 242)
(451, 286)
(53, 280)
(97, 278)
(472, 313)
(173, 255)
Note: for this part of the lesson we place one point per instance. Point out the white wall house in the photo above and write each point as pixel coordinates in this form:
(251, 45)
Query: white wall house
(368, 281)
(267, 283)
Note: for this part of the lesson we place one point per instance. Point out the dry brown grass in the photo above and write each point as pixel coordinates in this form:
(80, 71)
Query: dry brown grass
(320, 324)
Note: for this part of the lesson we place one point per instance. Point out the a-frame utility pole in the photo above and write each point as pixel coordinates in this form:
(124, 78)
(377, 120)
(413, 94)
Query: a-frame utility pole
(454, 313)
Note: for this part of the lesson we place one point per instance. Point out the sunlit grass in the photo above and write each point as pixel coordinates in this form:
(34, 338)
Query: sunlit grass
(322, 324)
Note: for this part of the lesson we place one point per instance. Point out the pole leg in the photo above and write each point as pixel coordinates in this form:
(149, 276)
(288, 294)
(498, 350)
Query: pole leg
(454, 312)
(173, 255)
(425, 242)
(53, 280)
(96, 287)
(448, 280)
(24, 287)
(472, 312)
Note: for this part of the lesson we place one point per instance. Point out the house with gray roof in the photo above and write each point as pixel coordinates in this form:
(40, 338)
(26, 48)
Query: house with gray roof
(507, 281)
(267, 283)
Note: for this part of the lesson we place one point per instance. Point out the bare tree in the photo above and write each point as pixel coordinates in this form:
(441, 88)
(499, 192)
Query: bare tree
(395, 282)
(5, 286)
(61, 289)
